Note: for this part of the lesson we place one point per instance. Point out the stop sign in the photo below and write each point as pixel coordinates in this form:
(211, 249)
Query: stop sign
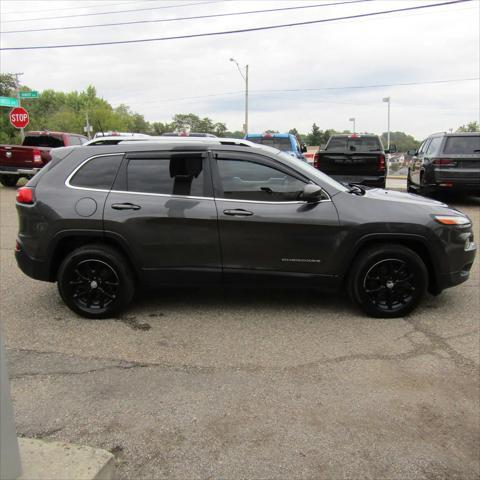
(19, 117)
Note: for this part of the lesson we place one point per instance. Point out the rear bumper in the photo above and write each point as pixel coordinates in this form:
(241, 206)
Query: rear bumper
(4, 170)
(33, 268)
(455, 179)
(372, 181)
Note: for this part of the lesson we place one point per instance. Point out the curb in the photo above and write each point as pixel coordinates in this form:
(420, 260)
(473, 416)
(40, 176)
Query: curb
(44, 460)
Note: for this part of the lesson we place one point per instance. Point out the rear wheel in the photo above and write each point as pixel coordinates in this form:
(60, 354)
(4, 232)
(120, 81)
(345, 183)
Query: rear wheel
(410, 188)
(95, 281)
(388, 281)
(8, 180)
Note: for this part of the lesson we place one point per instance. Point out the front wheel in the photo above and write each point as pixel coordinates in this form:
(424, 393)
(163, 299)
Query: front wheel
(410, 188)
(388, 281)
(8, 180)
(95, 281)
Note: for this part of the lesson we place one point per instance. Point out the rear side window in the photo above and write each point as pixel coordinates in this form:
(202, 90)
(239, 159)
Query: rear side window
(178, 174)
(433, 147)
(98, 173)
(467, 145)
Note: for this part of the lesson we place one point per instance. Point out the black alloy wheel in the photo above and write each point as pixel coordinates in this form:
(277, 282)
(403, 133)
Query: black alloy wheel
(388, 281)
(390, 284)
(95, 281)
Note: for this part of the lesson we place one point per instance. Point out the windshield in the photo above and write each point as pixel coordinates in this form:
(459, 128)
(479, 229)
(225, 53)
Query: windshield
(462, 145)
(282, 144)
(356, 144)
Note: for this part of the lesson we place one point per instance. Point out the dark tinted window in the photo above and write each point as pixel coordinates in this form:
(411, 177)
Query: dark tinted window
(43, 141)
(355, 144)
(282, 144)
(105, 142)
(462, 144)
(433, 147)
(178, 175)
(97, 173)
(248, 180)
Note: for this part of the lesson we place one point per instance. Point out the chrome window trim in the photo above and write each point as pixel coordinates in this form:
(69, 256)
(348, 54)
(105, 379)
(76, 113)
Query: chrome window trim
(69, 185)
(69, 178)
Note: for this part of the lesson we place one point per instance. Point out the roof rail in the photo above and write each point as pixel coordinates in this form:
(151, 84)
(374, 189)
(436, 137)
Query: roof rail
(219, 140)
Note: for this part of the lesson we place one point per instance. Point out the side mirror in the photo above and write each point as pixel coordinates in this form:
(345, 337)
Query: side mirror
(303, 148)
(412, 153)
(392, 149)
(313, 193)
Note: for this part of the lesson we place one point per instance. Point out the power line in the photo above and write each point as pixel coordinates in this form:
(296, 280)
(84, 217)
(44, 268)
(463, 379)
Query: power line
(19, 12)
(197, 17)
(243, 30)
(350, 87)
(111, 13)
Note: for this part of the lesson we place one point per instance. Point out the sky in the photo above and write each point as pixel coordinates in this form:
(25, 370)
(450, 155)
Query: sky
(318, 61)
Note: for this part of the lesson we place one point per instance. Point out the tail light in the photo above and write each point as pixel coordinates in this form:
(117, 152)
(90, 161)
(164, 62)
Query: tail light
(444, 162)
(381, 163)
(25, 196)
(37, 156)
(316, 160)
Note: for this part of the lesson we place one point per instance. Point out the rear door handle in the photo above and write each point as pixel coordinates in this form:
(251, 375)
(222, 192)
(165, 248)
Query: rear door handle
(238, 212)
(125, 206)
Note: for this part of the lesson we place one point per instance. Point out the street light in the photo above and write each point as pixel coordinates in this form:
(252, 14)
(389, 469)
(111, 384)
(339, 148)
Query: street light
(352, 120)
(245, 77)
(387, 100)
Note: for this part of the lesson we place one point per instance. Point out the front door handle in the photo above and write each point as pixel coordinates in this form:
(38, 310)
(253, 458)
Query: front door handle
(238, 212)
(125, 206)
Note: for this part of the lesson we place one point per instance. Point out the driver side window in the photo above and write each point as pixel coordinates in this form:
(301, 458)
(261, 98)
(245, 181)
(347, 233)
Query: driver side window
(248, 180)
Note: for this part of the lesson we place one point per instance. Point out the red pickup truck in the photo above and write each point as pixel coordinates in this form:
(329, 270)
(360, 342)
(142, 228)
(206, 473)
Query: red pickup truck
(25, 160)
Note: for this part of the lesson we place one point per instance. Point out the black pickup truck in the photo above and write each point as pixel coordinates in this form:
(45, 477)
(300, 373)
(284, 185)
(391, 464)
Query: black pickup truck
(354, 158)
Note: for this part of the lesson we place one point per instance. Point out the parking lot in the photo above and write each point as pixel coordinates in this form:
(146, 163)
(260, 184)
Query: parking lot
(249, 384)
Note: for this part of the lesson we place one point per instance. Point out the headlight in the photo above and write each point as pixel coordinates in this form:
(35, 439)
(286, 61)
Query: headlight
(451, 220)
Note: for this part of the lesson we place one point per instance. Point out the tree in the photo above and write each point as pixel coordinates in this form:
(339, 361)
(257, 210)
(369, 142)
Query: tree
(402, 141)
(315, 136)
(470, 127)
(7, 84)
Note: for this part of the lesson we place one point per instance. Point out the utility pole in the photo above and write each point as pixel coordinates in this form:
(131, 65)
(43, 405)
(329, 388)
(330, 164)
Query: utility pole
(387, 100)
(353, 121)
(245, 78)
(17, 84)
(87, 125)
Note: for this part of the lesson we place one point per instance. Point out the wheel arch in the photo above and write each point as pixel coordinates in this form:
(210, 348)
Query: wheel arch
(67, 241)
(416, 243)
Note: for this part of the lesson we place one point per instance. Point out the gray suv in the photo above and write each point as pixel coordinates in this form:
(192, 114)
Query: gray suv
(446, 161)
(104, 221)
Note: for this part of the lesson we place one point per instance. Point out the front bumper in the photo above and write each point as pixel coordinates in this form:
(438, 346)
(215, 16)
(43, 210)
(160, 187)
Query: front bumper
(458, 276)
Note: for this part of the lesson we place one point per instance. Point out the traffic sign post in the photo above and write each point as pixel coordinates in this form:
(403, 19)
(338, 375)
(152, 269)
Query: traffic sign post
(19, 117)
(9, 102)
(31, 94)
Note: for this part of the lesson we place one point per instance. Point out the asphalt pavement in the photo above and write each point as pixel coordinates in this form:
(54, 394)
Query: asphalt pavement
(249, 384)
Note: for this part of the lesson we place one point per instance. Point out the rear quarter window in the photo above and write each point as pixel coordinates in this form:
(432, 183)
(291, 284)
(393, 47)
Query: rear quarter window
(467, 145)
(98, 173)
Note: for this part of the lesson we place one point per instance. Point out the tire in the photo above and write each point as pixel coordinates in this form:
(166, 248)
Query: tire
(410, 188)
(95, 281)
(9, 180)
(387, 281)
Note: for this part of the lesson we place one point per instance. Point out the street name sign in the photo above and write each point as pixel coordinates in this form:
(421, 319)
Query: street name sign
(31, 94)
(8, 102)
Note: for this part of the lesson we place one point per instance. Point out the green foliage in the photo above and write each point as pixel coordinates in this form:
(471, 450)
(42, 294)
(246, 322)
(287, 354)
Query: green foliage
(403, 141)
(470, 127)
